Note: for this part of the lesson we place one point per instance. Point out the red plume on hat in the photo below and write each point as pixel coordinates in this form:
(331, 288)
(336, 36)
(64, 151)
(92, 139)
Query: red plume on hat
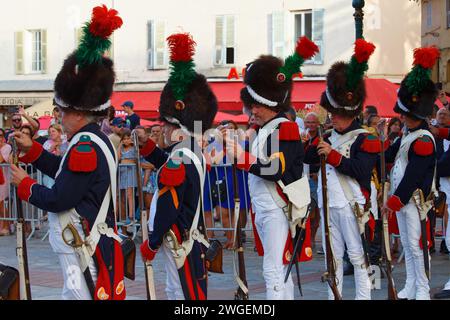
(182, 47)
(363, 50)
(104, 22)
(426, 57)
(306, 48)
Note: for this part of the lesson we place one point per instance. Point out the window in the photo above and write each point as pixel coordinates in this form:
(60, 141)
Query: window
(156, 45)
(286, 29)
(37, 62)
(225, 53)
(31, 51)
(303, 24)
(429, 9)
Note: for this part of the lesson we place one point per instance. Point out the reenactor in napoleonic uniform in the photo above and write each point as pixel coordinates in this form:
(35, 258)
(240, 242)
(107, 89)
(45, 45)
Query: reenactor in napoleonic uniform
(414, 158)
(274, 160)
(82, 201)
(187, 108)
(443, 173)
(351, 154)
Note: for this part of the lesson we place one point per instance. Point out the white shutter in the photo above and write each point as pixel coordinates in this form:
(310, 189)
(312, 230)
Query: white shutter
(44, 50)
(150, 45)
(19, 52)
(77, 36)
(230, 41)
(278, 32)
(220, 24)
(110, 52)
(160, 45)
(317, 34)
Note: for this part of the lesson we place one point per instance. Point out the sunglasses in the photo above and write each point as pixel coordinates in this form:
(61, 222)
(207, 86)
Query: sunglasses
(16, 120)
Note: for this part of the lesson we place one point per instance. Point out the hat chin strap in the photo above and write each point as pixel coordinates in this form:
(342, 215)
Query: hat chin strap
(263, 100)
(99, 108)
(177, 122)
(337, 106)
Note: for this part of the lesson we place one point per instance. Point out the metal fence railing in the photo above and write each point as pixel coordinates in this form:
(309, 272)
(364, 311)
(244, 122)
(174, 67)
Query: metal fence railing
(8, 209)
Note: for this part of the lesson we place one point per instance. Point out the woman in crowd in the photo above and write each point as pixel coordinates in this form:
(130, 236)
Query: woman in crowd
(127, 175)
(5, 152)
(394, 130)
(55, 143)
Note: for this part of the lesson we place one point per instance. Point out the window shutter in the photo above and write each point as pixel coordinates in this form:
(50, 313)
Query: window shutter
(219, 40)
(278, 28)
(78, 34)
(160, 45)
(110, 52)
(150, 45)
(230, 41)
(317, 34)
(19, 52)
(44, 50)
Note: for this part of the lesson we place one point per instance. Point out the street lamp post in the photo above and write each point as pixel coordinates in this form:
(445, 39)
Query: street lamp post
(359, 17)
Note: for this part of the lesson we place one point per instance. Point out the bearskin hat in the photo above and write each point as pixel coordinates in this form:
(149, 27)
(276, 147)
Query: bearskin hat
(269, 81)
(418, 93)
(86, 80)
(187, 97)
(346, 91)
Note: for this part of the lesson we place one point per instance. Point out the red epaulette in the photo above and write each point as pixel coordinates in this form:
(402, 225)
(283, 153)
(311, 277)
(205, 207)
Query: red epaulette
(83, 157)
(371, 144)
(423, 146)
(173, 173)
(289, 131)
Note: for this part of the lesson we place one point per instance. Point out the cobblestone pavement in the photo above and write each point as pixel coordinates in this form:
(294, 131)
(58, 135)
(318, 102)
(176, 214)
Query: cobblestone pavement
(46, 277)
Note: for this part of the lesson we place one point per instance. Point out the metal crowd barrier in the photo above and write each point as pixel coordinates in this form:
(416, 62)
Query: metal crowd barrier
(218, 200)
(8, 209)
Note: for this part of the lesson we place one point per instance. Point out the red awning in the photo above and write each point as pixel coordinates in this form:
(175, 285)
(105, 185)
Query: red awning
(380, 92)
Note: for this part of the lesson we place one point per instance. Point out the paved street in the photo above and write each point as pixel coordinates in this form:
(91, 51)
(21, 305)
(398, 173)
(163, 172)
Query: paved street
(46, 277)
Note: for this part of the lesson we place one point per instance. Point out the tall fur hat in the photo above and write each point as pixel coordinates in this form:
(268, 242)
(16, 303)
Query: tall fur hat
(86, 80)
(418, 93)
(269, 81)
(346, 91)
(187, 96)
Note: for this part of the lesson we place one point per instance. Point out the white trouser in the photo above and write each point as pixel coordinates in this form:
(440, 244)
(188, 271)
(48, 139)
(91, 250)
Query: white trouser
(75, 287)
(344, 231)
(173, 284)
(417, 286)
(273, 229)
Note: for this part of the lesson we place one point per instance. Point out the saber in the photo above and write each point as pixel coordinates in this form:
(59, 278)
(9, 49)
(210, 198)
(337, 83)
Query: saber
(148, 267)
(72, 238)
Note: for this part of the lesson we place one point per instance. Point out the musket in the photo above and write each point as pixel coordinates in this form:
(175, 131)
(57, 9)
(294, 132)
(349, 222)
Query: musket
(148, 267)
(241, 278)
(330, 275)
(386, 248)
(21, 250)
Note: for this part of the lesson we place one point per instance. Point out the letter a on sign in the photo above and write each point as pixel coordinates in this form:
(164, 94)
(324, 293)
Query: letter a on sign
(233, 74)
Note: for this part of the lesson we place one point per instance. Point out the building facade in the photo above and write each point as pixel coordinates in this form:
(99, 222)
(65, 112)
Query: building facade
(38, 35)
(436, 31)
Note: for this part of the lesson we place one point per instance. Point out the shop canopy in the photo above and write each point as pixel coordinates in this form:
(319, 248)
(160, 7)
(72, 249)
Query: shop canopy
(380, 92)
